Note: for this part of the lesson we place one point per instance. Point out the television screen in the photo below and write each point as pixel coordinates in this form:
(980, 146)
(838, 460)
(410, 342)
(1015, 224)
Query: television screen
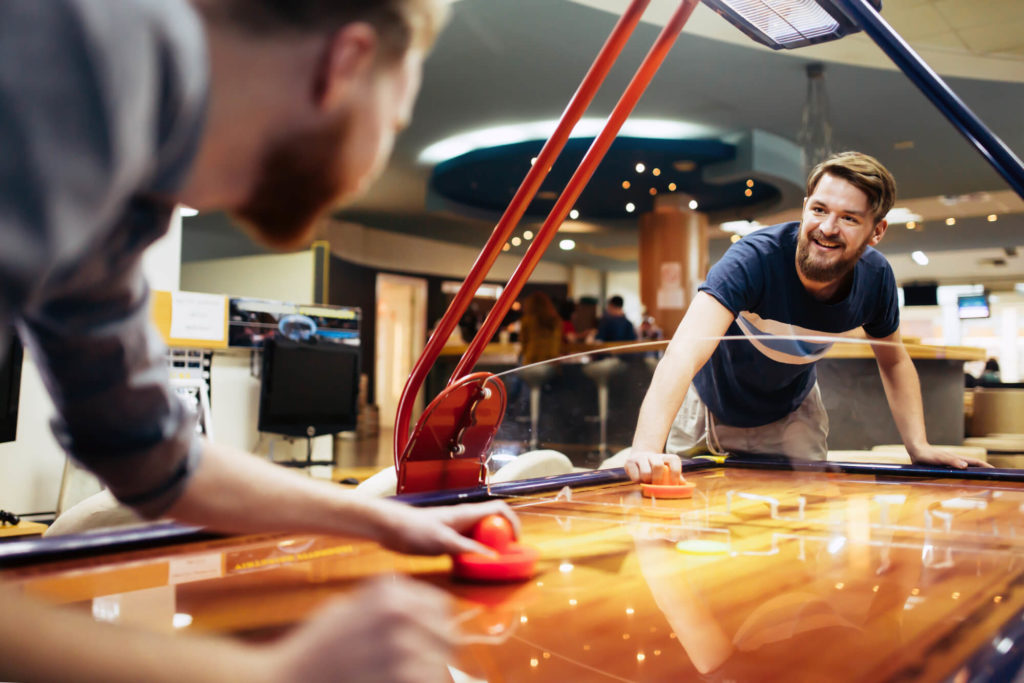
(973, 306)
(920, 295)
(308, 389)
(10, 389)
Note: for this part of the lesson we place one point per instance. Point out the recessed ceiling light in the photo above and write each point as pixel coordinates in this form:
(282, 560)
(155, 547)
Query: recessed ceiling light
(528, 234)
(992, 218)
(950, 221)
(640, 168)
(653, 191)
(693, 204)
(567, 245)
(516, 241)
(919, 258)
(630, 207)
(533, 161)
(625, 185)
(506, 247)
(671, 187)
(750, 182)
(911, 225)
(735, 238)
(748, 192)
(588, 127)
(574, 214)
(656, 171)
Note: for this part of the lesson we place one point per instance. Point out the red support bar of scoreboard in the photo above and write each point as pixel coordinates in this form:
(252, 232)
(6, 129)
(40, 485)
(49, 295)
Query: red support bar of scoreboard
(588, 88)
(652, 62)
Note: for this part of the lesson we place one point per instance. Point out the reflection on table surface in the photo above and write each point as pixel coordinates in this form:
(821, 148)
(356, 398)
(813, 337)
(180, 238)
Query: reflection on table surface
(805, 576)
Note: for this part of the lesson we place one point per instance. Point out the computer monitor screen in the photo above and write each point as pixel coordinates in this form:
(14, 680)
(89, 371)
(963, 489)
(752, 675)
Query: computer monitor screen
(10, 389)
(973, 306)
(308, 389)
(920, 295)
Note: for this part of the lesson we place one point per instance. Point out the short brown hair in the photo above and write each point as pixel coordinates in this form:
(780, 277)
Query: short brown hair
(863, 172)
(400, 24)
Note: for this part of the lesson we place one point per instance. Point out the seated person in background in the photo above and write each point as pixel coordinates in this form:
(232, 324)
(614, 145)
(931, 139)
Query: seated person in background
(991, 372)
(818, 277)
(110, 115)
(649, 330)
(614, 325)
(540, 329)
(566, 311)
(584, 319)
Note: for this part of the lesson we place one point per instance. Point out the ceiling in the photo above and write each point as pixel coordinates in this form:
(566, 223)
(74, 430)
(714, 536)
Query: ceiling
(502, 62)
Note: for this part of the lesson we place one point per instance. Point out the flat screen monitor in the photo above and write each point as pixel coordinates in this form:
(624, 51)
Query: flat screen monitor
(308, 389)
(920, 295)
(973, 306)
(10, 389)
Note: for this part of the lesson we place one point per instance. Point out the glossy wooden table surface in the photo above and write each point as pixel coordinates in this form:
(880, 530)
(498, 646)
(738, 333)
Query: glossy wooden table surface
(805, 576)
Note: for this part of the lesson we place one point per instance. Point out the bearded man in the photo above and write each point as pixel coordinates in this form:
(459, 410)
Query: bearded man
(112, 113)
(817, 278)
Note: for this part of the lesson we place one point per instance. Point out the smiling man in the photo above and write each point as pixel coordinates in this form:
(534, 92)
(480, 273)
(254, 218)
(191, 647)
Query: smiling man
(820, 277)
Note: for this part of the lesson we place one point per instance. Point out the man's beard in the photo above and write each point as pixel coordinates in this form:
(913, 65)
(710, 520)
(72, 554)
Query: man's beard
(824, 272)
(299, 181)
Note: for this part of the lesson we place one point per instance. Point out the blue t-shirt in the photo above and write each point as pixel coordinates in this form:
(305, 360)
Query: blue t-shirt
(755, 381)
(615, 328)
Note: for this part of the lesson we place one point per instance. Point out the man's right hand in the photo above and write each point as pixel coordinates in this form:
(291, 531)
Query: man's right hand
(649, 466)
(392, 629)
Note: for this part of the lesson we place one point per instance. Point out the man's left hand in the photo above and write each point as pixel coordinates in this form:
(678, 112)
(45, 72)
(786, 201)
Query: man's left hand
(930, 455)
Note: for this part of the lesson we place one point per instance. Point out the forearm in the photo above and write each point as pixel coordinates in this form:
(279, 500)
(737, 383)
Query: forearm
(88, 651)
(903, 392)
(664, 397)
(692, 345)
(236, 492)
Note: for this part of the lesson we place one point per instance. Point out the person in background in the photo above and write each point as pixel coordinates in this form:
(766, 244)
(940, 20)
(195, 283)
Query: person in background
(614, 325)
(540, 329)
(566, 310)
(275, 111)
(649, 330)
(991, 373)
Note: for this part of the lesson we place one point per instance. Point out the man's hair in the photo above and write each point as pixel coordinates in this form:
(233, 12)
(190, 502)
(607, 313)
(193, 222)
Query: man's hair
(400, 24)
(616, 301)
(863, 172)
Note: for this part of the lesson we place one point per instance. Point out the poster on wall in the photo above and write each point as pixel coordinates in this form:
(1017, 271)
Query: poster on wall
(253, 321)
(670, 286)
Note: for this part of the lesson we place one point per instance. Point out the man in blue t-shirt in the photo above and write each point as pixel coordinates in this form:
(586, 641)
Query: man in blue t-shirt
(614, 325)
(814, 279)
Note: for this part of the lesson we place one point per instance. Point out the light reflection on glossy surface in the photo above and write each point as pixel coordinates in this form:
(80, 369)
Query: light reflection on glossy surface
(908, 593)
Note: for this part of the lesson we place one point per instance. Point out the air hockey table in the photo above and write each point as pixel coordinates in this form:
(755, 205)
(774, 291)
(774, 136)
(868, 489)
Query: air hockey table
(770, 571)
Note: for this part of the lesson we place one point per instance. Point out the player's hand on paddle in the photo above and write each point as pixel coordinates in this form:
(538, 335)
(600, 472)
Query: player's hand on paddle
(930, 455)
(392, 629)
(649, 467)
(440, 530)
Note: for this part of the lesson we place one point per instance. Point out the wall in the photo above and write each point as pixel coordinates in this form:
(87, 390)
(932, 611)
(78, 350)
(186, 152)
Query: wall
(381, 250)
(282, 277)
(1001, 334)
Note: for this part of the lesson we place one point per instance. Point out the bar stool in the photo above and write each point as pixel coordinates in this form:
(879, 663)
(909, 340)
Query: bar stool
(536, 376)
(600, 372)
